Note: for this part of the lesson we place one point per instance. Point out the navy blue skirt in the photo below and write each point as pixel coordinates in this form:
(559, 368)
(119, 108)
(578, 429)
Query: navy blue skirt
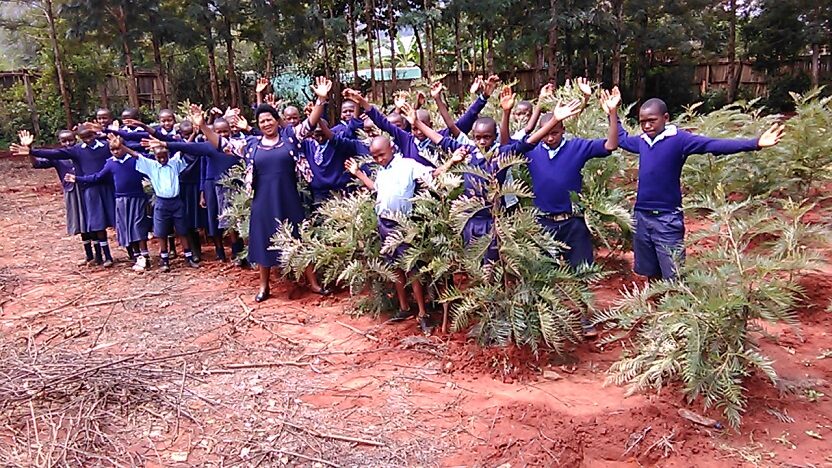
(385, 228)
(132, 223)
(75, 221)
(480, 226)
(99, 207)
(211, 207)
(195, 215)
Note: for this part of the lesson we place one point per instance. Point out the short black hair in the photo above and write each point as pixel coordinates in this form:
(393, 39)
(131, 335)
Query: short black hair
(545, 118)
(266, 109)
(64, 132)
(167, 111)
(655, 103)
(487, 121)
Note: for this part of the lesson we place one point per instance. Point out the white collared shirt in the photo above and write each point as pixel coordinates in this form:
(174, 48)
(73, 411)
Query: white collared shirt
(554, 151)
(668, 132)
(94, 146)
(396, 183)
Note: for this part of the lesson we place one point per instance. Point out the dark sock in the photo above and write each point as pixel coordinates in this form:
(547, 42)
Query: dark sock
(172, 245)
(196, 242)
(97, 247)
(87, 247)
(146, 254)
(105, 250)
(131, 254)
(165, 258)
(219, 248)
(236, 247)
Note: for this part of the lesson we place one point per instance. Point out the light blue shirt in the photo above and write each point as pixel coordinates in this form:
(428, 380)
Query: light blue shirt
(164, 179)
(396, 183)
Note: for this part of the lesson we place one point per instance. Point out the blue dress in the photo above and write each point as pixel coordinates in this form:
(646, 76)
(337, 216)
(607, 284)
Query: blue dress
(276, 197)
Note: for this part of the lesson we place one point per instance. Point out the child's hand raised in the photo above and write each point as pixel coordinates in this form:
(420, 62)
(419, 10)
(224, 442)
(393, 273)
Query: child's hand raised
(400, 99)
(409, 113)
(421, 99)
(506, 99)
(26, 138)
(19, 150)
(436, 90)
(322, 87)
(351, 165)
(610, 100)
(69, 177)
(477, 85)
(584, 86)
(771, 136)
(153, 144)
(197, 117)
(353, 95)
(262, 84)
(115, 141)
(490, 85)
(547, 91)
(564, 111)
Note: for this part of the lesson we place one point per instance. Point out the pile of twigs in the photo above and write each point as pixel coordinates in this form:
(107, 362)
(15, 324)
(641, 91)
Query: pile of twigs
(65, 408)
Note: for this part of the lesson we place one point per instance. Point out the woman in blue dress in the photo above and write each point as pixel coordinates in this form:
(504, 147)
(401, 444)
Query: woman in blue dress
(274, 159)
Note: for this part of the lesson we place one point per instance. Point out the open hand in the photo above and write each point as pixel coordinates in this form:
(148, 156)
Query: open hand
(19, 150)
(610, 100)
(26, 138)
(153, 144)
(134, 123)
(506, 99)
(409, 113)
(547, 91)
(355, 96)
(115, 141)
(564, 111)
(477, 85)
(351, 165)
(490, 85)
(436, 90)
(262, 84)
(584, 86)
(322, 87)
(197, 117)
(69, 177)
(96, 127)
(771, 136)
(400, 99)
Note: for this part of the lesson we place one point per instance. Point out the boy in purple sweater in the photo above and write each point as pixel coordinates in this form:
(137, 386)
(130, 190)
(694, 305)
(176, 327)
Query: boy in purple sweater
(663, 149)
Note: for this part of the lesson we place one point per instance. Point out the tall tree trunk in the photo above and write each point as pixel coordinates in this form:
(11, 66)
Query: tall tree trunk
(30, 100)
(642, 60)
(482, 52)
(212, 68)
(538, 66)
(269, 62)
(489, 58)
(599, 67)
(353, 44)
(121, 22)
(381, 66)
(59, 62)
(732, 50)
(618, 6)
(458, 49)
(324, 42)
(231, 71)
(428, 42)
(815, 64)
(160, 70)
(552, 49)
(392, 33)
(368, 19)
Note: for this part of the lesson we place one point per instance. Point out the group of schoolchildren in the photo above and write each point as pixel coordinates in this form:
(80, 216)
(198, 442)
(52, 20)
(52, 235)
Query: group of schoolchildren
(102, 166)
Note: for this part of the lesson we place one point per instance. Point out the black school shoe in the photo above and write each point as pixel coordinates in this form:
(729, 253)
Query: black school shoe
(426, 324)
(262, 296)
(402, 315)
(191, 262)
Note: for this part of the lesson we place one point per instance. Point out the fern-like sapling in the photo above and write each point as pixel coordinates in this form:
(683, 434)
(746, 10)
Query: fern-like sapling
(700, 328)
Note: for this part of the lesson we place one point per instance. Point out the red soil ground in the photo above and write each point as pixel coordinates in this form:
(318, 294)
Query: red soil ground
(442, 401)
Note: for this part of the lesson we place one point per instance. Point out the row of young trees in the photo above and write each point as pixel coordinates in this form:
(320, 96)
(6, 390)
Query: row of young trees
(622, 42)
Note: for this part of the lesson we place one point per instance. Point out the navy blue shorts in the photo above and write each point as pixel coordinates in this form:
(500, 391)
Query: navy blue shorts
(574, 233)
(385, 228)
(169, 215)
(659, 243)
(478, 227)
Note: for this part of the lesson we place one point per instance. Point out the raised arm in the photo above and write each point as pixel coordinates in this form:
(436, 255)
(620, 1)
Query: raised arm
(698, 144)
(260, 88)
(436, 93)
(199, 122)
(466, 122)
(609, 102)
(561, 113)
(410, 115)
(506, 103)
(400, 137)
(547, 91)
(321, 88)
(625, 141)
